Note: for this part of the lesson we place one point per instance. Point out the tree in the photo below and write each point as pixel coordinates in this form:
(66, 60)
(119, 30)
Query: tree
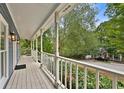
(49, 40)
(116, 13)
(112, 29)
(77, 31)
(25, 46)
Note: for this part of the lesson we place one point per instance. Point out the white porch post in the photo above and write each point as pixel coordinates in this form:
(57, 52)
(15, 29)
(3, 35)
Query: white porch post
(31, 48)
(36, 50)
(56, 51)
(41, 47)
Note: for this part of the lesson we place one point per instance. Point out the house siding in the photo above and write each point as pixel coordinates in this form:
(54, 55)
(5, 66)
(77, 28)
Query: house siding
(10, 57)
(5, 13)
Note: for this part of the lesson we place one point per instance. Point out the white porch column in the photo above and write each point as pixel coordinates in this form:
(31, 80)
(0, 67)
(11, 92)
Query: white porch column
(31, 48)
(41, 47)
(36, 50)
(56, 51)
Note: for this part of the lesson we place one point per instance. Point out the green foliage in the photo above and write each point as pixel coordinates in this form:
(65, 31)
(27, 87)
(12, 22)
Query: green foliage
(48, 41)
(112, 29)
(105, 81)
(76, 31)
(25, 47)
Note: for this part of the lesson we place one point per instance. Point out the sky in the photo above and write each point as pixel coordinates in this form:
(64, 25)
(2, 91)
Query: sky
(100, 16)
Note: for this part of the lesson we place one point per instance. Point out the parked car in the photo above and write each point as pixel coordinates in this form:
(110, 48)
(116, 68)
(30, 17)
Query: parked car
(100, 58)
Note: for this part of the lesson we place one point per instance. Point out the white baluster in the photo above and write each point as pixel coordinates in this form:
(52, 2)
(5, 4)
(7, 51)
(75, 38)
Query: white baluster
(114, 81)
(76, 76)
(65, 74)
(85, 77)
(97, 79)
(61, 71)
(70, 75)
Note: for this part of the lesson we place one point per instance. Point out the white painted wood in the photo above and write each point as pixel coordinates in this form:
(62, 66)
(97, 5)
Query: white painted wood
(33, 44)
(76, 76)
(57, 49)
(41, 46)
(97, 79)
(86, 65)
(31, 48)
(50, 65)
(85, 77)
(114, 81)
(65, 74)
(61, 71)
(36, 50)
(83, 63)
(70, 75)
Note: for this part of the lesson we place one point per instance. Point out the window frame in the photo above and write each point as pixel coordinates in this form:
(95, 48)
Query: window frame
(5, 76)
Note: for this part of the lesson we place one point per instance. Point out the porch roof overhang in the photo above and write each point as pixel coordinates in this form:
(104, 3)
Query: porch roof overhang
(29, 18)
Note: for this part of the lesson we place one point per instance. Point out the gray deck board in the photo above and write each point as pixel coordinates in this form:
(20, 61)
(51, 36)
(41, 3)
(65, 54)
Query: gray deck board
(30, 78)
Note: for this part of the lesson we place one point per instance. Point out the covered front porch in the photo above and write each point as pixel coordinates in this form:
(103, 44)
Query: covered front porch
(31, 77)
(53, 71)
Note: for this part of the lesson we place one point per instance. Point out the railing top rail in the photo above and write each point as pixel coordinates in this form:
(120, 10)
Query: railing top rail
(48, 53)
(88, 64)
(92, 65)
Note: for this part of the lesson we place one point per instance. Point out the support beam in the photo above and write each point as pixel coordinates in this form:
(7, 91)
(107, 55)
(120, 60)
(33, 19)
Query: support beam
(56, 51)
(41, 47)
(36, 50)
(33, 44)
(31, 48)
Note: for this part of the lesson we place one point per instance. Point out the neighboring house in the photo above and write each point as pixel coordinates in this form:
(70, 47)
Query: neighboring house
(9, 50)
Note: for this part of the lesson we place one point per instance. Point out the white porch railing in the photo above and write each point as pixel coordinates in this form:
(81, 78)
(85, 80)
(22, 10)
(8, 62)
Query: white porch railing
(80, 74)
(33, 53)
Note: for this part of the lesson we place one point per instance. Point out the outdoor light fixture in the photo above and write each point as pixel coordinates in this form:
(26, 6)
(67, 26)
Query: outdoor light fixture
(13, 36)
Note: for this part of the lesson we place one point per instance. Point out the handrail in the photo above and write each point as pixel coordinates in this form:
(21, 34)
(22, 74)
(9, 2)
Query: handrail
(88, 64)
(92, 65)
(49, 64)
(48, 54)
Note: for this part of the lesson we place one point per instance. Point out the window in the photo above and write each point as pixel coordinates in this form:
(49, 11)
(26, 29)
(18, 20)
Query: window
(3, 48)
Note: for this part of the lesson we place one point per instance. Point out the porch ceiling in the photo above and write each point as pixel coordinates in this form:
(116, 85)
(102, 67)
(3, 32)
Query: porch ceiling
(28, 17)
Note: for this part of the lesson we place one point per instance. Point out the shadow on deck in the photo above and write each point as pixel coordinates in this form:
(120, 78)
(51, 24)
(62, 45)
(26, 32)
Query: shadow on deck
(30, 78)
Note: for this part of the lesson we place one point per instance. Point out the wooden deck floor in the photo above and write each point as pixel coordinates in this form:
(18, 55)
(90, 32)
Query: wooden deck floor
(30, 78)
